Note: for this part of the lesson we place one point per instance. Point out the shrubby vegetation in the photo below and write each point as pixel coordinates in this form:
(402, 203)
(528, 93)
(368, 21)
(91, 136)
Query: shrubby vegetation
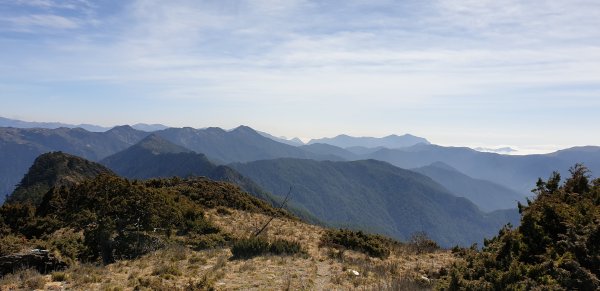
(100, 217)
(256, 246)
(372, 244)
(557, 245)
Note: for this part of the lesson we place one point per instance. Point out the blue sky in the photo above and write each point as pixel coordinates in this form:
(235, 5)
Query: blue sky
(471, 72)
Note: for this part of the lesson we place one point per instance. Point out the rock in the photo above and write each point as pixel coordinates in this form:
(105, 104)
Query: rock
(353, 272)
(40, 260)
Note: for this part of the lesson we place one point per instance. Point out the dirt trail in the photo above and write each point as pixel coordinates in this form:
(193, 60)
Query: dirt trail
(323, 276)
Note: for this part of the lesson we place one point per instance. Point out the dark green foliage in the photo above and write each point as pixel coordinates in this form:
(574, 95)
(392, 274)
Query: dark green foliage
(70, 244)
(249, 247)
(256, 246)
(115, 213)
(285, 247)
(372, 244)
(556, 246)
(209, 241)
(213, 194)
(17, 216)
(378, 197)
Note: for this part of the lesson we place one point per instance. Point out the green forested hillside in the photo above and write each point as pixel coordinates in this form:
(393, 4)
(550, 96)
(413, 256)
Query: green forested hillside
(19, 147)
(155, 157)
(557, 246)
(54, 169)
(107, 217)
(488, 196)
(377, 197)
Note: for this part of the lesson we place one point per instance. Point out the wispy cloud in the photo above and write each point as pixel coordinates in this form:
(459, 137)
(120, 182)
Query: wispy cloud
(375, 56)
(36, 21)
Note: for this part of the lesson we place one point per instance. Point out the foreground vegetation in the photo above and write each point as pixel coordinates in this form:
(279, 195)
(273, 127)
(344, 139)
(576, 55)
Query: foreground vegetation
(556, 247)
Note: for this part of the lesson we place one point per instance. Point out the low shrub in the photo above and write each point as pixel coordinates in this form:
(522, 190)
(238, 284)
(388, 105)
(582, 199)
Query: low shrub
(210, 241)
(256, 246)
(167, 270)
(68, 243)
(421, 243)
(59, 276)
(250, 247)
(223, 211)
(10, 244)
(371, 244)
(285, 247)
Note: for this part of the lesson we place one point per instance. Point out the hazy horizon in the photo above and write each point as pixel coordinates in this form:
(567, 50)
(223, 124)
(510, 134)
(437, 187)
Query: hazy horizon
(459, 73)
(518, 150)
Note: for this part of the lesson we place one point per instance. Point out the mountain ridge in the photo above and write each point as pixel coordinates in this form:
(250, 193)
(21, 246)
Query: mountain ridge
(488, 196)
(390, 141)
(375, 195)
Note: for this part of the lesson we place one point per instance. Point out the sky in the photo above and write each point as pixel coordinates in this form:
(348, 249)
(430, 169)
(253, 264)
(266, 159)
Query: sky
(473, 72)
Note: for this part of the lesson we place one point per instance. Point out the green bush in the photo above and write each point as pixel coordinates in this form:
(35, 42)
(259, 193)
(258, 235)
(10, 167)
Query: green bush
(370, 244)
(256, 246)
(68, 243)
(250, 247)
(210, 241)
(285, 247)
(59, 276)
(554, 248)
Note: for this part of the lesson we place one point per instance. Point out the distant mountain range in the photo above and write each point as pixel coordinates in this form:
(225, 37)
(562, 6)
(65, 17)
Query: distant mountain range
(390, 141)
(488, 196)
(376, 196)
(515, 172)
(20, 146)
(241, 144)
(293, 141)
(6, 122)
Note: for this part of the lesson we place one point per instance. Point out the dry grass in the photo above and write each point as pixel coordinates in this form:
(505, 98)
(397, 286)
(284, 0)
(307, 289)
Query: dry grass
(322, 268)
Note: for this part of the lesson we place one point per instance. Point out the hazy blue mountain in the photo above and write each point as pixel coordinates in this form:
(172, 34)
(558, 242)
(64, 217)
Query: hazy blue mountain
(488, 196)
(293, 142)
(19, 147)
(238, 145)
(377, 196)
(329, 150)
(6, 122)
(390, 141)
(149, 127)
(53, 169)
(516, 172)
(363, 151)
(588, 155)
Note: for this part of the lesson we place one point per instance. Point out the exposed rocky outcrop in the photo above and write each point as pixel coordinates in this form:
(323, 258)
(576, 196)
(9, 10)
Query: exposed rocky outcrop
(40, 260)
